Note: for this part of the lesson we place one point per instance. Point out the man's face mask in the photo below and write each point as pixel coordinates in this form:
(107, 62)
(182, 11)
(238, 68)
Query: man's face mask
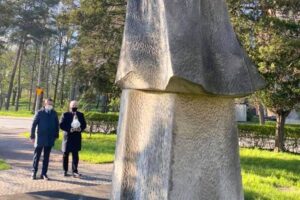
(48, 107)
(74, 109)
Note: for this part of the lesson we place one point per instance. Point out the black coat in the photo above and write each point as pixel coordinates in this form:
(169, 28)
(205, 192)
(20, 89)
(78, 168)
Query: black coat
(47, 128)
(71, 141)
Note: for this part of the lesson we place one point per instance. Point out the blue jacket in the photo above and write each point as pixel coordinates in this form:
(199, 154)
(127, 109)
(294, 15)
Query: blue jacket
(47, 128)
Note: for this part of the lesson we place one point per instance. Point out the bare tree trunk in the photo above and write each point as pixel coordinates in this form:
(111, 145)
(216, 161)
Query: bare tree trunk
(19, 89)
(34, 102)
(47, 74)
(47, 82)
(1, 95)
(13, 101)
(98, 101)
(41, 100)
(104, 103)
(261, 113)
(63, 75)
(32, 79)
(12, 78)
(72, 89)
(38, 80)
(50, 76)
(40, 76)
(19, 95)
(1, 101)
(279, 132)
(58, 71)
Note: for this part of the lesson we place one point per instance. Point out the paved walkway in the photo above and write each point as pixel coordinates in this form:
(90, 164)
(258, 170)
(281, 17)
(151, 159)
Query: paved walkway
(16, 183)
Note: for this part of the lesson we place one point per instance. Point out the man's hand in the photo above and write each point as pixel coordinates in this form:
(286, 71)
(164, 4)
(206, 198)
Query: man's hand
(78, 129)
(32, 140)
(75, 130)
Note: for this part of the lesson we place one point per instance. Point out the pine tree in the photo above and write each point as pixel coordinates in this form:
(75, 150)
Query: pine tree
(28, 18)
(95, 57)
(270, 33)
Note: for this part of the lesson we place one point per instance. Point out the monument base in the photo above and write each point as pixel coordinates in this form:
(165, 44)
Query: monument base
(173, 146)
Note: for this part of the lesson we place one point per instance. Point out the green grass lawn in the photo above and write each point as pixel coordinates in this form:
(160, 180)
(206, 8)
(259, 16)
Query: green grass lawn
(266, 175)
(3, 165)
(23, 109)
(99, 148)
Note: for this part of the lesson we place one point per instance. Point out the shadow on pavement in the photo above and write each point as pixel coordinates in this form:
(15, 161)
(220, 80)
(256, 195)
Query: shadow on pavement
(62, 195)
(99, 192)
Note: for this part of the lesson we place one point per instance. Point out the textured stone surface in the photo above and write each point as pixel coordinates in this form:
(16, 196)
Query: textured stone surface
(175, 146)
(184, 46)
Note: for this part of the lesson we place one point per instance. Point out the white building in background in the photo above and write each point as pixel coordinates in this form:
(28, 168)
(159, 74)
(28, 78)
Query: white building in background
(241, 112)
(293, 118)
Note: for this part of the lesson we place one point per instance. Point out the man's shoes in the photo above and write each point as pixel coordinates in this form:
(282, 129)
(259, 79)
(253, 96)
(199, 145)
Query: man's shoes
(33, 176)
(76, 175)
(45, 177)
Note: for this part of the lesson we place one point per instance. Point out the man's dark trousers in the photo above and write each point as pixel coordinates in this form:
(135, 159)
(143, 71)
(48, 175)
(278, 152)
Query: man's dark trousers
(75, 160)
(36, 158)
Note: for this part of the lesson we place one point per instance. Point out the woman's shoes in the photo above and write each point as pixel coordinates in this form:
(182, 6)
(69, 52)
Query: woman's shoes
(33, 175)
(45, 177)
(76, 175)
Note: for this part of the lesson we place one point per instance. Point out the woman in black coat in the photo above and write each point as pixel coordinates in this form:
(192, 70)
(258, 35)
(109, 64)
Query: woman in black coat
(72, 123)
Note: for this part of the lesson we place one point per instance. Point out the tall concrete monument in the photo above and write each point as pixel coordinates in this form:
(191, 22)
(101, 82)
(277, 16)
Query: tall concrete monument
(181, 66)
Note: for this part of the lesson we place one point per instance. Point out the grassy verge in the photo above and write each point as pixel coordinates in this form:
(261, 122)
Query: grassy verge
(269, 175)
(3, 165)
(266, 175)
(20, 113)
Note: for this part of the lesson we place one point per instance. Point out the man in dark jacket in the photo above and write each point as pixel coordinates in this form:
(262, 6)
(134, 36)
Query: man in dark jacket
(72, 123)
(48, 128)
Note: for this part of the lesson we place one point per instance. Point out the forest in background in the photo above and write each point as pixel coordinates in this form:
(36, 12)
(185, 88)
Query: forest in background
(70, 49)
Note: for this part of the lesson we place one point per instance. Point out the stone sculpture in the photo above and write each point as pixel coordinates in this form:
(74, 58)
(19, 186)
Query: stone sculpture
(180, 68)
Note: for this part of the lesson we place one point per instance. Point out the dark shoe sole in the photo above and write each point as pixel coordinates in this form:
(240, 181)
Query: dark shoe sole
(45, 178)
